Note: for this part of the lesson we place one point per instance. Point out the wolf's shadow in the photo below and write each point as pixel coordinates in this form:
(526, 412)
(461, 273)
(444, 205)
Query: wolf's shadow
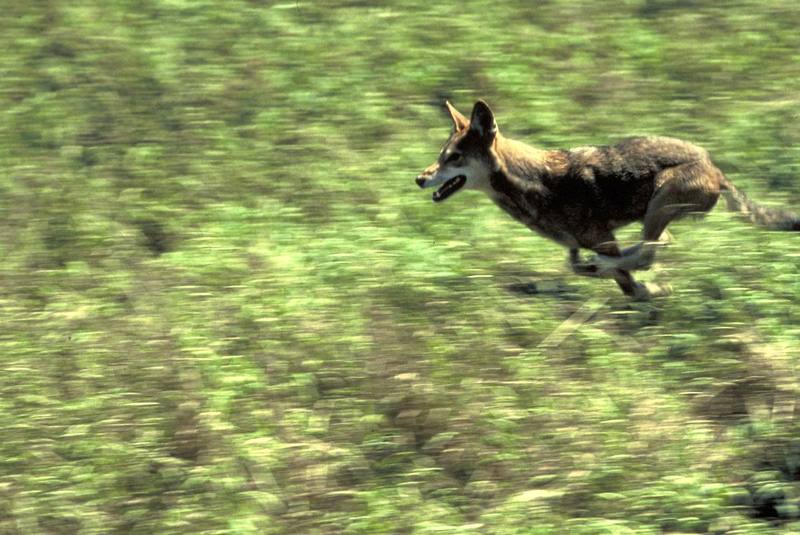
(540, 287)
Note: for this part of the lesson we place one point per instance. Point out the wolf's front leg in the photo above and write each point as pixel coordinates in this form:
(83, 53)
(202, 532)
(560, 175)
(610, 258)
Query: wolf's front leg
(585, 269)
(599, 266)
(637, 290)
(640, 256)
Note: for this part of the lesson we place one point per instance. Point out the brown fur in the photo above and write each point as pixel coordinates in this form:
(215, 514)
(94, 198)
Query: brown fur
(578, 197)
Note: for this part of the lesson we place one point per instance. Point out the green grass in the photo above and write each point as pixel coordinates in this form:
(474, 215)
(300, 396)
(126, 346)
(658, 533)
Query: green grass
(226, 307)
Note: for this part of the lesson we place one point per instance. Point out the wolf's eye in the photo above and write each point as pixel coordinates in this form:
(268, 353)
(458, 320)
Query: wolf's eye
(454, 157)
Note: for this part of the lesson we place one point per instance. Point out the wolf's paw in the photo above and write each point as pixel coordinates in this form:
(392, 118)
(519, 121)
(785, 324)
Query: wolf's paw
(584, 268)
(597, 266)
(649, 290)
(640, 256)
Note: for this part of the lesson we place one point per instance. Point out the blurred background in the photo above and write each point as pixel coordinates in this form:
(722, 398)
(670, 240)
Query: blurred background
(225, 307)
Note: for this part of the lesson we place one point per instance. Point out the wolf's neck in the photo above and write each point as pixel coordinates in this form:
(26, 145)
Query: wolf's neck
(525, 167)
(519, 159)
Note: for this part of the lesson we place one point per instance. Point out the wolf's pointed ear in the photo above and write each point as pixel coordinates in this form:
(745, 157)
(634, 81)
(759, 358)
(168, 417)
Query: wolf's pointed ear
(459, 121)
(482, 121)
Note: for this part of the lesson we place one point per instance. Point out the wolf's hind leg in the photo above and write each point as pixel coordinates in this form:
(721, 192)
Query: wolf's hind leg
(689, 188)
(623, 278)
(608, 247)
(684, 189)
(639, 256)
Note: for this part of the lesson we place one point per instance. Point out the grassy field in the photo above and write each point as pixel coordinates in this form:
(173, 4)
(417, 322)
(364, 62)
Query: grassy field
(225, 307)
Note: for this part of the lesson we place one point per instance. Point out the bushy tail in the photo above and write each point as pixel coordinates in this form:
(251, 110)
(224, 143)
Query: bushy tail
(771, 218)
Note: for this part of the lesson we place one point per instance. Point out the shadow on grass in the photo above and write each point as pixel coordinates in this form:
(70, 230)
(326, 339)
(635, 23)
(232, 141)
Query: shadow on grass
(544, 288)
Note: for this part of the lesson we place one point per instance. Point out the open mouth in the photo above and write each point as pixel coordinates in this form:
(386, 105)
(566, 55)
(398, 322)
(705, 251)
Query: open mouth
(449, 187)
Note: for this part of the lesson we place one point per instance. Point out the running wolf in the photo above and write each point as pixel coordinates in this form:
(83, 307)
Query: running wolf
(578, 197)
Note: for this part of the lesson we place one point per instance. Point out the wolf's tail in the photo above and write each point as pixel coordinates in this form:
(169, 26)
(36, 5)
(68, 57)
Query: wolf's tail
(771, 218)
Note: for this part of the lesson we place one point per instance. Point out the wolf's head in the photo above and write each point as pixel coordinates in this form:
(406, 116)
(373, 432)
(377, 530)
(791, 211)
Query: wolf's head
(466, 158)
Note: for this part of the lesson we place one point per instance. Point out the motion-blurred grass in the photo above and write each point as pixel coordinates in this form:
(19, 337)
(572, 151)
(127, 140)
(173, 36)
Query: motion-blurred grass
(226, 307)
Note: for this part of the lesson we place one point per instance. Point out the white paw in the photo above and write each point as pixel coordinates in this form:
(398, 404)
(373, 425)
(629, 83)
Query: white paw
(598, 266)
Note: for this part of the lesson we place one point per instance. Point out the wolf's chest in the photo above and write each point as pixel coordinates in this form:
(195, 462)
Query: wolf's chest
(527, 213)
(516, 208)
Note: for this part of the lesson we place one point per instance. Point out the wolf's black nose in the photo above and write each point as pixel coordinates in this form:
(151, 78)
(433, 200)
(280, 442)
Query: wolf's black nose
(421, 181)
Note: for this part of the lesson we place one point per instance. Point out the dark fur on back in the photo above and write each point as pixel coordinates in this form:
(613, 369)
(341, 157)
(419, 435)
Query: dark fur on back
(586, 189)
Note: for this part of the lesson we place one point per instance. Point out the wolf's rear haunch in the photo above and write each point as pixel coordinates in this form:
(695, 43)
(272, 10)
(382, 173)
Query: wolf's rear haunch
(578, 197)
